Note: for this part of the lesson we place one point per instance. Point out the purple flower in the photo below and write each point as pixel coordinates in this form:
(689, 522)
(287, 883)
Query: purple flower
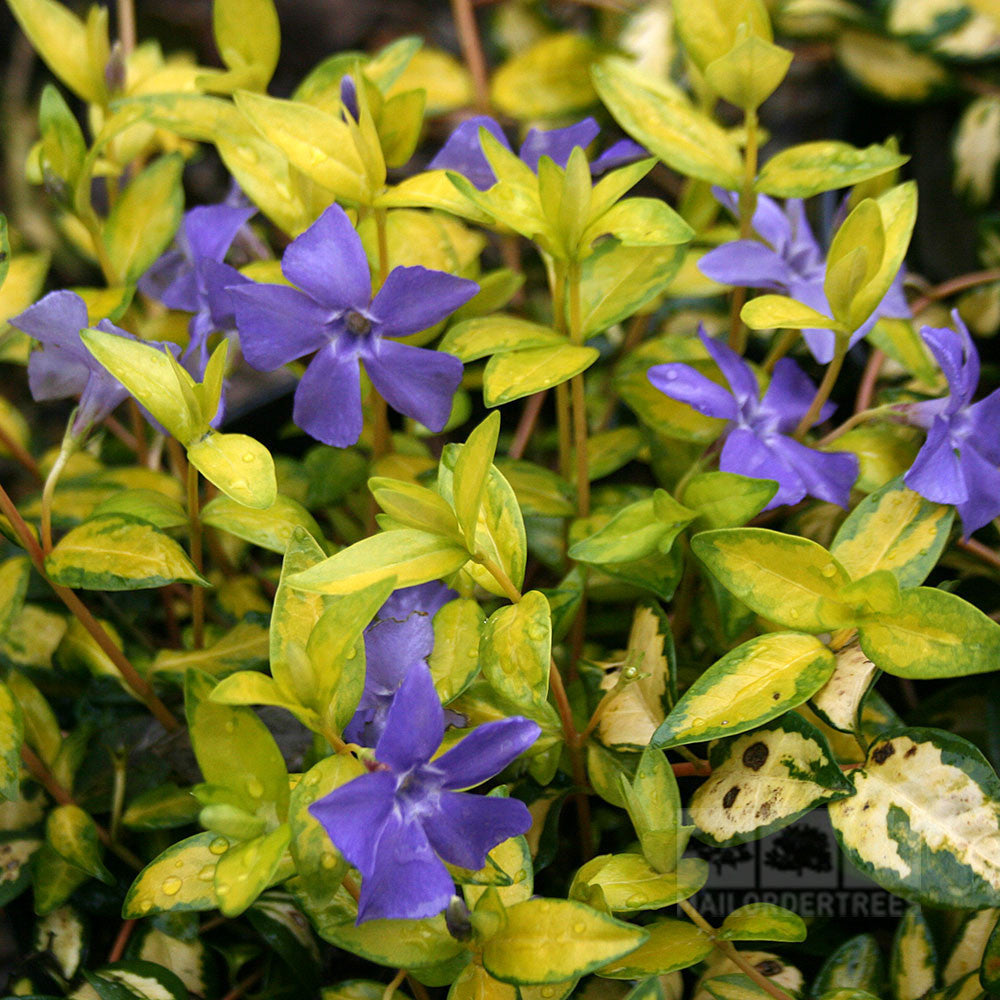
(332, 313)
(397, 822)
(193, 278)
(790, 261)
(757, 442)
(958, 462)
(400, 637)
(463, 151)
(64, 367)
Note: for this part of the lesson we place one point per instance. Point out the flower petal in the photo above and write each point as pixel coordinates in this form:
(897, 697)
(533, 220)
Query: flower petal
(392, 647)
(465, 828)
(982, 479)
(683, 383)
(408, 881)
(55, 374)
(741, 379)
(486, 751)
(789, 395)
(745, 454)
(329, 264)
(463, 151)
(827, 475)
(277, 324)
(428, 598)
(56, 320)
(211, 229)
(984, 418)
(936, 473)
(171, 280)
(328, 399)
(415, 298)
(557, 143)
(617, 155)
(415, 380)
(353, 816)
(102, 393)
(415, 724)
(958, 359)
(746, 263)
(217, 280)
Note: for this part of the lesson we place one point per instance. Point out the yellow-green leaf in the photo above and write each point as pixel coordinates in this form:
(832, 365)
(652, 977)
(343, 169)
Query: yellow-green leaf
(762, 922)
(72, 834)
(809, 168)
(512, 375)
(181, 878)
(629, 883)
(239, 465)
(11, 738)
(246, 870)
(547, 79)
(840, 700)
(484, 335)
(454, 660)
(248, 37)
(116, 553)
(767, 311)
(749, 72)
(271, 528)
(671, 945)
(241, 648)
(516, 647)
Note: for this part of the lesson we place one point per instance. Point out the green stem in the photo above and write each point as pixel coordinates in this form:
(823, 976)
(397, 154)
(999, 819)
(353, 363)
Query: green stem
(472, 52)
(579, 397)
(70, 444)
(194, 526)
(780, 346)
(859, 418)
(825, 387)
(747, 206)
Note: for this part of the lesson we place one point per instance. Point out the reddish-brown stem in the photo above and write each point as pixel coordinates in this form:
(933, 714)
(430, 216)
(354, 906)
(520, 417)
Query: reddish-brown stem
(21, 455)
(472, 51)
(980, 551)
(118, 948)
(130, 675)
(689, 769)
(869, 379)
(138, 432)
(953, 285)
(244, 985)
(123, 434)
(526, 425)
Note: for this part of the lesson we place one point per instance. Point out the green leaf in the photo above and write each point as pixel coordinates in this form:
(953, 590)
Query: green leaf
(234, 749)
(116, 553)
(934, 634)
(840, 701)
(639, 222)
(539, 491)
(14, 575)
(765, 780)
(787, 579)
(454, 660)
(62, 40)
(277, 919)
(726, 500)
(481, 336)
(809, 168)
(254, 51)
(608, 451)
(72, 834)
(63, 146)
(188, 958)
(517, 374)
(161, 808)
(41, 728)
(54, 879)
(11, 738)
(4, 249)
(762, 922)
(16, 852)
(767, 311)
(750, 685)
(911, 826)
(240, 466)
(246, 870)
(243, 647)
(671, 945)
(145, 218)
(855, 965)
(637, 531)
(409, 555)
(913, 964)
(63, 934)
(136, 980)
(668, 126)
(165, 885)
(618, 281)
(470, 473)
(270, 528)
(411, 944)
(148, 506)
(516, 647)
(749, 73)
(629, 883)
(893, 529)
(551, 940)
(416, 507)
(547, 79)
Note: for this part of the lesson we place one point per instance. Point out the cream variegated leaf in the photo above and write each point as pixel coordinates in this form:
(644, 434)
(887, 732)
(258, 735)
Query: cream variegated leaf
(913, 965)
(764, 780)
(839, 701)
(969, 945)
(925, 820)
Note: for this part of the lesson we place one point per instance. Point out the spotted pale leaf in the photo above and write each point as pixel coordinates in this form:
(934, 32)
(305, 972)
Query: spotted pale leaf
(969, 945)
(840, 700)
(181, 878)
(925, 820)
(913, 964)
(750, 685)
(764, 780)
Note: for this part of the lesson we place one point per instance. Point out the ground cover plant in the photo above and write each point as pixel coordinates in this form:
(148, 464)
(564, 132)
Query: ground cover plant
(430, 564)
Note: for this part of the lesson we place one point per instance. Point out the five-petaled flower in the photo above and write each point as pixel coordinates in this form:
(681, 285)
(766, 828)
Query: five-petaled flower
(193, 278)
(331, 313)
(64, 367)
(400, 637)
(958, 462)
(757, 441)
(463, 151)
(791, 262)
(397, 822)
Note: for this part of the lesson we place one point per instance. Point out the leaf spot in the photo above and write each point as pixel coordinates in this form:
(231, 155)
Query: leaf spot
(883, 753)
(730, 797)
(755, 756)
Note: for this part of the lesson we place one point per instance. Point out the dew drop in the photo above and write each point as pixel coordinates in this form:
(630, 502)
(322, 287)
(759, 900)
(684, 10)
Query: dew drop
(145, 906)
(219, 846)
(230, 726)
(548, 991)
(254, 788)
(352, 652)
(222, 889)
(243, 876)
(178, 864)
(579, 928)
(329, 861)
(828, 570)
(207, 873)
(792, 613)
(521, 875)
(636, 899)
(248, 458)
(537, 632)
(171, 886)
(312, 780)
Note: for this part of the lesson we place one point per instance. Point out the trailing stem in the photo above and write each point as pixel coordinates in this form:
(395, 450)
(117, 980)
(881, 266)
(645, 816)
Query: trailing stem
(825, 387)
(747, 206)
(194, 527)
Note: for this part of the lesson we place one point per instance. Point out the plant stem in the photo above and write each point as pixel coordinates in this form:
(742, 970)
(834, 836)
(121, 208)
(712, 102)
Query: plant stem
(472, 51)
(241, 987)
(980, 551)
(47, 780)
(953, 285)
(825, 387)
(194, 526)
(780, 346)
(733, 954)
(129, 674)
(126, 26)
(20, 455)
(747, 206)
(869, 379)
(526, 425)
(859, 418)
(69, 446)
(118, 948)
(564, 421)
(389, 991)
(117, 795)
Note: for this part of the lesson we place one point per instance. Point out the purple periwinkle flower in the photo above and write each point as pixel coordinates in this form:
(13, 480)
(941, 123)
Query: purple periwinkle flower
(331, 312)
(463, 152)
(397, 822)
(64, 367)
(790, 261)
(757, 441)
(193, 278)
(958, 462)
(400, 637)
